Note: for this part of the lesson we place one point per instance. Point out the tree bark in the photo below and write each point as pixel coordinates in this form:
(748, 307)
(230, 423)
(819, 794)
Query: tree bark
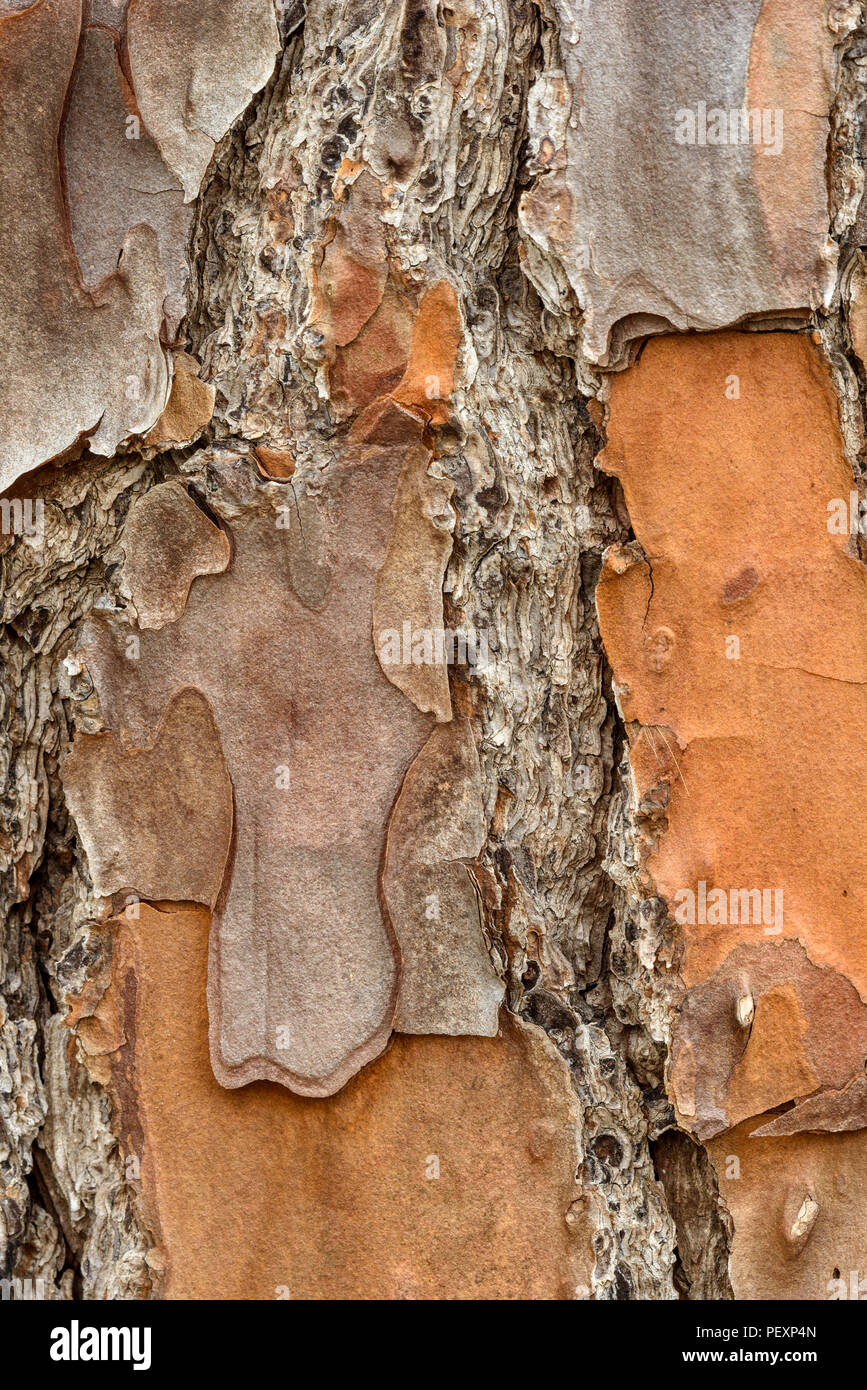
(419, 578)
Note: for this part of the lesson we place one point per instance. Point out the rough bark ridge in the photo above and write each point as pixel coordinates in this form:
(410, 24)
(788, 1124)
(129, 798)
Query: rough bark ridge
(331, 965)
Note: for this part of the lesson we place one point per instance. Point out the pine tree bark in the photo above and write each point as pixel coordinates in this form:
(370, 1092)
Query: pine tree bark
(333, 967)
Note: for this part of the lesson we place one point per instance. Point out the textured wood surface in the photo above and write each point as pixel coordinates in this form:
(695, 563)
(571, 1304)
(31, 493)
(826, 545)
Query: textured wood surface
(432, 585)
